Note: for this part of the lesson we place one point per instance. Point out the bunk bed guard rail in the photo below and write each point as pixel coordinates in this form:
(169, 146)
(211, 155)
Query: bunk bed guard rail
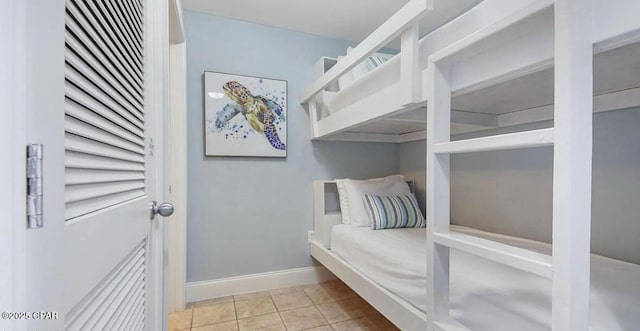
(405, 23)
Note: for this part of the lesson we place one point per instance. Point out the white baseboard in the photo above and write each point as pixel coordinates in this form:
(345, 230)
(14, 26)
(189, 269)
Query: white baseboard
(216, 288)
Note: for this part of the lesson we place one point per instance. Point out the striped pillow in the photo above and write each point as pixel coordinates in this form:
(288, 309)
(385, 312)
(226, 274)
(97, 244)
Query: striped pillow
(393, 211)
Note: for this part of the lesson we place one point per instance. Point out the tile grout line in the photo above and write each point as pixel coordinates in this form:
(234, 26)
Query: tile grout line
(191, 322)
(279, 311)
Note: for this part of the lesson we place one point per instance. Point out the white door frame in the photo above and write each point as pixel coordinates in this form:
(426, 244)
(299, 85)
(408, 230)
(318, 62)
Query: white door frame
(12, 167)
(157, 39)
(177, 160)
(177, 164)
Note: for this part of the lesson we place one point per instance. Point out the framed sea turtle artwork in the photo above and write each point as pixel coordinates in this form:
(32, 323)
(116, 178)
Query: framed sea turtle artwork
(244, 115)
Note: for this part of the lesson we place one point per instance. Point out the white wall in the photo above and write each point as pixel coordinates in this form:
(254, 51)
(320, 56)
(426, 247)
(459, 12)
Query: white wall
(510, 192)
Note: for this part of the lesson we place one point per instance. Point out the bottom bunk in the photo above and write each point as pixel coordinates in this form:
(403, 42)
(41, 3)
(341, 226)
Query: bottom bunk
(388, 269)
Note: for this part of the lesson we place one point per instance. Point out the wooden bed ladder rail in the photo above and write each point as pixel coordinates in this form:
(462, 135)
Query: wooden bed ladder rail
(569, 265)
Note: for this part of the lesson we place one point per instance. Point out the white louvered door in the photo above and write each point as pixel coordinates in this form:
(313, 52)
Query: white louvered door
(96, 91)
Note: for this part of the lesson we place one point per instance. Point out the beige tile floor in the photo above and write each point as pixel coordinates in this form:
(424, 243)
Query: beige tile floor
(320, 307)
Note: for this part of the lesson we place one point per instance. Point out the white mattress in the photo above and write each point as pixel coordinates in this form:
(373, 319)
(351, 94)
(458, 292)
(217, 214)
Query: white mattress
(486, 295)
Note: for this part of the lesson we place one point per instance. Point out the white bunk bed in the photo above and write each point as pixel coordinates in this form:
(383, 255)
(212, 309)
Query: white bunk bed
(496, 65)
(388, 269)
(378, 108)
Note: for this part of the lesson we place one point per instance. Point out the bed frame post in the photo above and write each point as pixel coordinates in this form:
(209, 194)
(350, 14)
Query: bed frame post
(572, 164)
(410, 73)
(438, 131)
(314, 116)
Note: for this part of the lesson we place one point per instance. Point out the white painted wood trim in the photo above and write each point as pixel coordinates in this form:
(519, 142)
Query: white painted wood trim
(611, 101)
(323, 220)
(202, 290)
(12, 170)
(384, 103)
(177, 156)
(389, 30)
(480, 35)
(601, 103)
(450, 325)
(526, 139)
(572, 160)
(397, 310)
(514, 63)
(607, 36)
(438, 204)
(410, 74)
(313, 119)
(480, 119)
(413, 136)
(156, 72)
(537, 263)
(177, 33)
(363, 137)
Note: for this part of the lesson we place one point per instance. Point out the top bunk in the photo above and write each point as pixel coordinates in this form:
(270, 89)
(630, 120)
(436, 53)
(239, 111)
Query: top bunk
(500, 54)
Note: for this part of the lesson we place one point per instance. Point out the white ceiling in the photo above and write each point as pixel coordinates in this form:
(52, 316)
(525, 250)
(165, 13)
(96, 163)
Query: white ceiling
(350, 20)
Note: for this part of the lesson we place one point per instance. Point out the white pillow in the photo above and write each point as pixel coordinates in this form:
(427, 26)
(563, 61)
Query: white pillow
(368, 64)
(344, 201)
(346, 79)
(391, 185)
(362, 68)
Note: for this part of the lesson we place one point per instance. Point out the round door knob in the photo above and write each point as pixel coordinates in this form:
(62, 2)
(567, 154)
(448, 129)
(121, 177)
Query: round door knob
(163, 209)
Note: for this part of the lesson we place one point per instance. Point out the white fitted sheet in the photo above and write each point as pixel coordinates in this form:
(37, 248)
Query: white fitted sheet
(487, 295)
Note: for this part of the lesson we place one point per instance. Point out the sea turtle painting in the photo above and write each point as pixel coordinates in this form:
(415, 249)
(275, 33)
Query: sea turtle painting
(260, 112)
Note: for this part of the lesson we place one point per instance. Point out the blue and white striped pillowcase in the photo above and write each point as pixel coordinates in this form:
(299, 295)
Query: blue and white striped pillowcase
(396, 211)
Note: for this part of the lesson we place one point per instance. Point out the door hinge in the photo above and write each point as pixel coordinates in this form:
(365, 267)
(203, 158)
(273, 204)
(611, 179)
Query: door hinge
(34, 186)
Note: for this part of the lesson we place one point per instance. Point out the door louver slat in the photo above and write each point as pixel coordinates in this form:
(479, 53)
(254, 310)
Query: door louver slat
(86, 176)
(106, 35)
(138, 8)
(83, 192)
(132, 20)
(80, 145)
(92, 54)
(104, 105)
(87, 104)
(135, 319)
(104, 305)
(114, 292)
(116, 18)
(98, 79)
(76, 209)
(115, 34)
(77, 22)
(124, 307)
(87, 161)
(85, 115)
(99, 95)
(91, 132)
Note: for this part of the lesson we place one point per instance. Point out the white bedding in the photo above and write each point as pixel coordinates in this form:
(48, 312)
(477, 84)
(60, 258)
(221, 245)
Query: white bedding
(486, 295)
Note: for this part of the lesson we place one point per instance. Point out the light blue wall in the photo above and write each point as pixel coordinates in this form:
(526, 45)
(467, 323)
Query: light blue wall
(251, 215)
(510, 192)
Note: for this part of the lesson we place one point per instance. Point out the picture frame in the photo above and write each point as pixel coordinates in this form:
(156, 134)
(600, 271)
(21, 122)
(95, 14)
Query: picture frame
(244, 115)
